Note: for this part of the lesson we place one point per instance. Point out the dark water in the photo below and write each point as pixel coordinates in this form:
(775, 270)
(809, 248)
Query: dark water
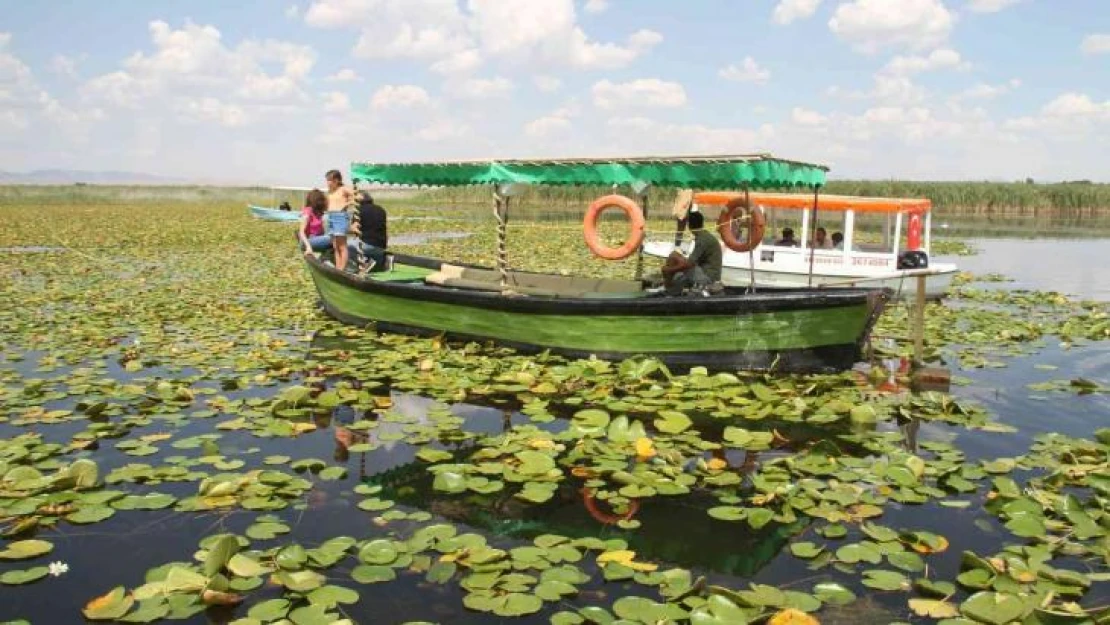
(675, 531)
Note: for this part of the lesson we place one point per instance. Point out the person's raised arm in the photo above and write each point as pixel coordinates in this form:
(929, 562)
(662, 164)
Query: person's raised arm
(301, 230)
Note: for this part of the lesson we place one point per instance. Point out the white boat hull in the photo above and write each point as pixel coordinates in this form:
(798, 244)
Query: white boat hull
(789, 268)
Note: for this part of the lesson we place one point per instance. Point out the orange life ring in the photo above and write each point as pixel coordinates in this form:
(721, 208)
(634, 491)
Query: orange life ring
(605, 517)
(635, 229)
(756, 226)
(913, 232)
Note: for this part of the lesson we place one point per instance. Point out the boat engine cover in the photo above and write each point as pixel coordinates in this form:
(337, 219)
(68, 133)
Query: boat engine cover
(913, 259)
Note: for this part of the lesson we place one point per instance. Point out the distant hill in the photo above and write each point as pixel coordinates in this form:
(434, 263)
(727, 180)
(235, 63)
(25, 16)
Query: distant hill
(69, 176)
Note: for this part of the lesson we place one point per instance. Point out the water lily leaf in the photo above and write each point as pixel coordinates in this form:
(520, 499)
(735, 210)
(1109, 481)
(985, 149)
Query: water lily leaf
(518, 604)
(1027, 526)
(300, 581)
(428, 454)
(625, 558)
(218, 555)
(441, 572)
(18, 577)
(534, 462)
(858, 552)
(331, 596)
(270, 610)
(449, 482)
(642, 610)
(148, 611)
(333, 473)
(372, 574)
(758, 517)
(934, 608)
(90, 514)
(907, 561)
(805, 550)
(994, 608)
(931, 588)
(26, 549)
(378, 551)
(313, 614)
(245, 566)
(672, 422)
(109, 606)
(885, 580)
(590, 422)
(833, 593)
(266, 530)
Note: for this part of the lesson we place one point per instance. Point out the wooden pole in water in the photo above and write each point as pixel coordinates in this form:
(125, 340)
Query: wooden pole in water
(813, 227)
(919, 323)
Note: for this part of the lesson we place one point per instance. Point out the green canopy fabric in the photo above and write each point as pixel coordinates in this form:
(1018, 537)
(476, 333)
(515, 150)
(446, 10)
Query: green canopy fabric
(760, 171)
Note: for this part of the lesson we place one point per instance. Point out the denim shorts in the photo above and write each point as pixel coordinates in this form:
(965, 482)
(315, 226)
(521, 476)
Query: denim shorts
(338, 222)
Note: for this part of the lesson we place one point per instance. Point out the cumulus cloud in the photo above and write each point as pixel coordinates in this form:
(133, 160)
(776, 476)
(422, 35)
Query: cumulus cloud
(596, 6)
(787, 11)
(479, 88)
(1077, 105)
(440, 32)
(747, 71)
(64, 65)
(336, 102)
(985, 91)
(942, 58)
(871, 25)
(640, 93)
(989, 6)
(547, 126)
(805, 117)
(547, 84)
(1096, 44)
(443, 130)
(401, 97)
(344, 75)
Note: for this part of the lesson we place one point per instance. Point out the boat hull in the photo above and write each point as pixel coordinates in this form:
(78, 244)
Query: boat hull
(273, 214)
(807, 331)
(735, 272)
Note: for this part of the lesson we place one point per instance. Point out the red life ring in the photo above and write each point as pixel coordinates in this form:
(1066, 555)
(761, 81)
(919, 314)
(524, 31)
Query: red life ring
(605, 517)
(635, 229)
(757, 225)
(913, 232)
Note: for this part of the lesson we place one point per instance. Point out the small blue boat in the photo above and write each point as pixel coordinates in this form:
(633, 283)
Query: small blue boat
(273, 214)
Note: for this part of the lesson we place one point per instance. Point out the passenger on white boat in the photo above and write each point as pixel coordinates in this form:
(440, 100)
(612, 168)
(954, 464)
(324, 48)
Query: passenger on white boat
(821, 239)
(787, 239)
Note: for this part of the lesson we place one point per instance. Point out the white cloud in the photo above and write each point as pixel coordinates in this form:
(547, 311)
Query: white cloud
(479, 88)
(870, 25)
(209, 109)
(644, 135)
(533, 33)
(942, 58)
(547, 84)
(399, 97)
(640, 93)
(787, 11)
(64, 65)
(989, 6)
(985, 91)
(193, 64)
(458, 63)
(1098, 43)
(292, 11)
(344, 75)
(546, 126)
(887, 89)
(747, 71)
(443, 130)
(336, 102)
(805, 117)
(1077, 105)
(596, 6)
(23, 100)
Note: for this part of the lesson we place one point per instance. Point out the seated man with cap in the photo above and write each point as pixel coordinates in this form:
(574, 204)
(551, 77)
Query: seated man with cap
(701, 270)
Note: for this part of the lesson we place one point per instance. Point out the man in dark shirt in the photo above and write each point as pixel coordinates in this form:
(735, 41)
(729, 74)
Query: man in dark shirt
(373, 236)
(702, 268)
(787, 239)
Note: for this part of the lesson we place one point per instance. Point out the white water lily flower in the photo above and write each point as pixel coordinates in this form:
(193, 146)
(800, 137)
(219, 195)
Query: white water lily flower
(58, 568)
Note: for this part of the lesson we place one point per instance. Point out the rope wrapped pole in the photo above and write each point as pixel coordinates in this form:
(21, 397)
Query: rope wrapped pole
(356, 226)
(501, 212)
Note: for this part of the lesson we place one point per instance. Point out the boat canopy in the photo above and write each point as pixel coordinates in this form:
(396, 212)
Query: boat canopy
(800, 201)
(756, 171)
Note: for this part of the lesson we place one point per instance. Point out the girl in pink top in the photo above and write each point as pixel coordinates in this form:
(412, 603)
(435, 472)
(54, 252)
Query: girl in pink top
(311, 229)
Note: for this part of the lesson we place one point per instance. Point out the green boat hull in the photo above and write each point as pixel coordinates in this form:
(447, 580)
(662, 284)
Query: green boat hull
(790, 331)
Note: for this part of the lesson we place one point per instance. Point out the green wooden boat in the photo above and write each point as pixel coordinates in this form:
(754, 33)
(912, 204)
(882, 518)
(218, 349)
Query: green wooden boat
(799, 330)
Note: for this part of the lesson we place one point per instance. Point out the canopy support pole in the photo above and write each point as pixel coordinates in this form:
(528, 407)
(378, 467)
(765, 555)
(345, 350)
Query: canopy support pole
(816, 190)
(641, 189)
(751, 244)
(501, 212)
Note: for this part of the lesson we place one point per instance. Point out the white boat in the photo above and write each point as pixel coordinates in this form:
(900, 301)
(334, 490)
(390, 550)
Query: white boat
(275, 212)
(886, 242)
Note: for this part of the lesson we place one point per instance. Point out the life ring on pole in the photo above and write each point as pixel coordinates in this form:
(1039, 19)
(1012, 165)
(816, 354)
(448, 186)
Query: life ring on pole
(608, 518)
(757, 225)
(913, 232)
(635, 229)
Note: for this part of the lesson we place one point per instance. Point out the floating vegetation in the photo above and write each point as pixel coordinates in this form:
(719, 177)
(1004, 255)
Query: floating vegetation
(267, 465)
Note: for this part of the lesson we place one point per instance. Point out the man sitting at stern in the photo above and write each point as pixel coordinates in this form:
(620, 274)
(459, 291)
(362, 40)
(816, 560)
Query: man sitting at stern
(373, 233)
(702, 269)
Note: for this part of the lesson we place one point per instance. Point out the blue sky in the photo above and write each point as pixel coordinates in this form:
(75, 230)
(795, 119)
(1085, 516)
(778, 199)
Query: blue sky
(278, 92)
